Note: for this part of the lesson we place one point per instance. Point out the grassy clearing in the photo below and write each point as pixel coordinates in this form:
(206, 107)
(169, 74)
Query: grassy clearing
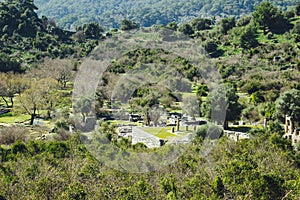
(161, 132)
(156, 130)
(165, 132)
(281, 38)
(124, 122)
(9, 118)
(229, 51)
(165, 135)
(276, 38)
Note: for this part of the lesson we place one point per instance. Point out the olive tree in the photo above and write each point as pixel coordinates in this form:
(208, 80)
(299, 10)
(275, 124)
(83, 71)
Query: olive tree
(232, 108)
(289, 104)
(59, 69)
(36, 98)
(191, 106)
(10, 85)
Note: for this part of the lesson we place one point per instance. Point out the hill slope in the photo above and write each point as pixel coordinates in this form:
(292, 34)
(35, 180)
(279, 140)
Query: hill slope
(258, 60)
(147, 12)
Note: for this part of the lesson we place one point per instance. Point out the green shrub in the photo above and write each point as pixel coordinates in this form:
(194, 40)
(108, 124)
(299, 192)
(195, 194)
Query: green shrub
(18, 147)
(58, 149)
(211, 131)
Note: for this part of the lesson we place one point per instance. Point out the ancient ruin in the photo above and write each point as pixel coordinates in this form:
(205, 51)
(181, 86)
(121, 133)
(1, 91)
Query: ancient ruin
(292, 130)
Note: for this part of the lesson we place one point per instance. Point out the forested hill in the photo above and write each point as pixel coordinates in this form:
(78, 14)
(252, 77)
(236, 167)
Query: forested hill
(41, 157)
(109, 13)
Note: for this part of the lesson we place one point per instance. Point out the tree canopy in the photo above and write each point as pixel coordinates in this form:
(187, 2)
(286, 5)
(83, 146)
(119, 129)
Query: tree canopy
(73, 13)
(289, 104)
(269, 17)
(26, 38)
(230, 97)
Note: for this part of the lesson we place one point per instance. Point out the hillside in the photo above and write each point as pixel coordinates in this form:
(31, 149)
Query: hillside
(64, 137)
(71, 13)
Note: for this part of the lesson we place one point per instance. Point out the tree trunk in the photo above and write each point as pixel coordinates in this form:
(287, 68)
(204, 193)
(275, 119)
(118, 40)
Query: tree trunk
(64, 84)
(5, 102)
(147, 119)
(12, 101)
(33, 115)
(32, 119)
(49, 110)
(48, 114)
(225, 125)
(83, 117)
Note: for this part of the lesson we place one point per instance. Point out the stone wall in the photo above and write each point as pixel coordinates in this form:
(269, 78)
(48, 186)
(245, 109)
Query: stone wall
(292, 130)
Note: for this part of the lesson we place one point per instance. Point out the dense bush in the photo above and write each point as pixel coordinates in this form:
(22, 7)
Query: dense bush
(261, 167)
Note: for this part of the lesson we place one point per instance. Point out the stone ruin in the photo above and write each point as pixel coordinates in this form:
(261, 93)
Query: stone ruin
(292, 130)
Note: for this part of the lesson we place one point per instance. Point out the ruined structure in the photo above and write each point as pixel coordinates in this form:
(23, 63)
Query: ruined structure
(292, 130)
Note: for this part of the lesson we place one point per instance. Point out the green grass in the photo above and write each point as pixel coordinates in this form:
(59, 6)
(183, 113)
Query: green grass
(4, 104)
(281, 38)
(243, 98)
(262, 38)
(203, 99)
(124, 122)
(165, 135)
(187, 94)
(14, 119)
(278, 38)
(161, 132)
(229, 50)
(9, 114)
(165, 132)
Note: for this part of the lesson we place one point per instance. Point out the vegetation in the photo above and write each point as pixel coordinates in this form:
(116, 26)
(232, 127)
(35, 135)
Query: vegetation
(26, 38)
(42, 152)
(289, 104)
(110, 13)
(258, 168)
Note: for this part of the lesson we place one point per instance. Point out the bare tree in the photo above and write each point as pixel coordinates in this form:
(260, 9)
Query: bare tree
(59, 69)
(10, 85)
(36, 98)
